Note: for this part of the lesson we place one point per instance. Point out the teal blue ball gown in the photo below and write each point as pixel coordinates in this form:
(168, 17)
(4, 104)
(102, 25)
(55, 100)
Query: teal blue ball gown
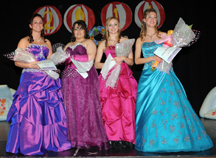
(165, 120)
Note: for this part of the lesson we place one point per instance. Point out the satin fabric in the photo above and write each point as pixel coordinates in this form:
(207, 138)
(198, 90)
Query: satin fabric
(83, 107)
(118, 104)
(165, 120)
(37, 115)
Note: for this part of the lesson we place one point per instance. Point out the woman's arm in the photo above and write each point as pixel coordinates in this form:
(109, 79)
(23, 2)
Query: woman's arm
(23, 44)
(49, 45)
(91, 49)
(138, 50)
(98, 64)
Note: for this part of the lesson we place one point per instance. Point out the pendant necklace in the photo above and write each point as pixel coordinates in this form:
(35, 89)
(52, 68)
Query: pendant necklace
(112, 40)
(151, 35)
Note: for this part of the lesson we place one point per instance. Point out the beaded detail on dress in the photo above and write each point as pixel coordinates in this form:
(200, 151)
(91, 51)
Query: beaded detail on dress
(70, 72)
(111, 47)
(31, 70)
(40, 52)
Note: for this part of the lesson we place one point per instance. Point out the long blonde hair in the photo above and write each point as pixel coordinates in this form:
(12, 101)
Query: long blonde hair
(143, 26)
(107, 32)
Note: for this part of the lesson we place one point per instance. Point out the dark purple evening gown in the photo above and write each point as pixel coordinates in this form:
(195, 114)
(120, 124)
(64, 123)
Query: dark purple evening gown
(83, 107)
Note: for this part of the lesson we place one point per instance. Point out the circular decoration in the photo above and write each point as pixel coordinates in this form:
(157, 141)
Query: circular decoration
(95, 31)
(52, 18)
(145, 4)
(79, 12)
(120, 10)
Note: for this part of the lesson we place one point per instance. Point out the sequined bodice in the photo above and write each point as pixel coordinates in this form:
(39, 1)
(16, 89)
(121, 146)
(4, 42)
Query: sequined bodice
(110, 50)
(70, 69)
(40, 51)
(77, 49)
(148, 49)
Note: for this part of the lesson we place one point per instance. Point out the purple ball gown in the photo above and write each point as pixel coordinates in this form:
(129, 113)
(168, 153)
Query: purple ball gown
(37, 115)
(82, 101)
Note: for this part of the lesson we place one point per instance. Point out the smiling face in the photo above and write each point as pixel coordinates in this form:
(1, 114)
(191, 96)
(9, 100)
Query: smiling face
(36, 24)
(151, 19)
(113, 26)
(79, 32)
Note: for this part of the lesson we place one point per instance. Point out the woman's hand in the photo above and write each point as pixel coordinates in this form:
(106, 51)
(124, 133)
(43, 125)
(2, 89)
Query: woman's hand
(33, 65)
(157, 58)
(119, 60)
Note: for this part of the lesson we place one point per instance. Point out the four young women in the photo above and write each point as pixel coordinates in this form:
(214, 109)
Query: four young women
(98, 114)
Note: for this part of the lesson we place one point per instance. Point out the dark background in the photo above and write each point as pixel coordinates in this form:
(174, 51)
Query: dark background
(194, 66)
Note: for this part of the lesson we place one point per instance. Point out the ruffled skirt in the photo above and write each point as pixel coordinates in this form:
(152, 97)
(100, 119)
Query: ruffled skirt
(37, 116)
(118, 106)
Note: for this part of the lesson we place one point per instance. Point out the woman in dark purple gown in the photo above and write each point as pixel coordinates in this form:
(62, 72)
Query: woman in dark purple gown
(37, 115)
(81, 92)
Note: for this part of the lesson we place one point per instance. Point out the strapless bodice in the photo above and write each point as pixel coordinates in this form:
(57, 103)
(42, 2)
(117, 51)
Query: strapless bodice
(77, 49)
(148, 49)
(110, 50)
(39, 51)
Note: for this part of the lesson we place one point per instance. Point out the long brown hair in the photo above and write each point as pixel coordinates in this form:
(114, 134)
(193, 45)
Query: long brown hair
(143, 26)
(30, 31)
(107, 32)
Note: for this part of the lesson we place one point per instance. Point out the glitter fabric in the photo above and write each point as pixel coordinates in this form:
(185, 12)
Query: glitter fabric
(82, 101)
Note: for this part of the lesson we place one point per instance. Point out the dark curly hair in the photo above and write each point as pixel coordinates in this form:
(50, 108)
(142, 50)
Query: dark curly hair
(30, 30)
(81, 24)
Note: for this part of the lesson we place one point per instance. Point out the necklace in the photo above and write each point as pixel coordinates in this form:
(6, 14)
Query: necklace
(37, 40)
(151, 35)
(112, 40)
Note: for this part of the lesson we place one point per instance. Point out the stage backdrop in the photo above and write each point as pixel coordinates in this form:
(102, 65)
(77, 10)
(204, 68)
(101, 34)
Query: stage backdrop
(195, 66)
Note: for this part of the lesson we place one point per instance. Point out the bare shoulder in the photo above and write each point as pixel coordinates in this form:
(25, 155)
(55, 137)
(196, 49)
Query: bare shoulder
(89, 44)
(139, 40)
(161, 33)
(89, 41)
(48, 43)
(68, 44)
(23, 43)
(24, 40)
(102, 44)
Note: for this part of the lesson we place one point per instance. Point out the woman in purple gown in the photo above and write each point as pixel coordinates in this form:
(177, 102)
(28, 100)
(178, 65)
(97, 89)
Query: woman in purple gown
(37, 115)
(81, 92)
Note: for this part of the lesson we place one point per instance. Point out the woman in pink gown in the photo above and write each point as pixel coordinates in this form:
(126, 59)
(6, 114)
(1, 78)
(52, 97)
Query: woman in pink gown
(119, 98)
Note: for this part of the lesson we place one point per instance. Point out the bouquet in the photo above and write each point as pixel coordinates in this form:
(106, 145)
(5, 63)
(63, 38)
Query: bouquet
(24, 56)
(173, 41)
(121, 49)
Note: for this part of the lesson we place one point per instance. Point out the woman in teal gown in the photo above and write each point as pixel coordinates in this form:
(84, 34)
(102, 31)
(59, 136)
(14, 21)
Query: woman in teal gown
(165, 120)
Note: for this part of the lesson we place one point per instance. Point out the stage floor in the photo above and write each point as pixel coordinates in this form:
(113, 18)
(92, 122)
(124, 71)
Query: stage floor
(210, 126)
